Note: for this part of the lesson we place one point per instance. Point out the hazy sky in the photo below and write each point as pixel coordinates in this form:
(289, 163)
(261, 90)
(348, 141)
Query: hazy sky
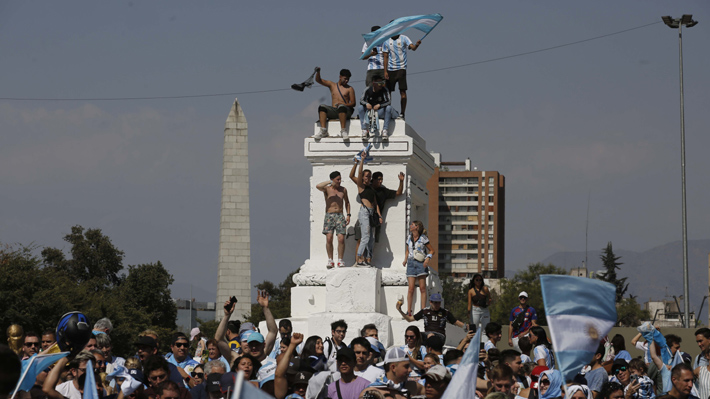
(598, 117)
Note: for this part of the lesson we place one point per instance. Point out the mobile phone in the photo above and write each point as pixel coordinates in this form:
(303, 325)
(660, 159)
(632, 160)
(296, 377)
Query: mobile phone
(232, 301)
(483, 345)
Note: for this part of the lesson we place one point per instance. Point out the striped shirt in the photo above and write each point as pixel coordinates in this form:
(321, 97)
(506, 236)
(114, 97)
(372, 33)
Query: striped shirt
(397, 50)
(541, 352)
(376, 61)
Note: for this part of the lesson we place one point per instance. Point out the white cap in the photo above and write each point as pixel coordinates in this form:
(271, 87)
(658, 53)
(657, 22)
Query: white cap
(394, 355)
(438, 372)
(523, 293)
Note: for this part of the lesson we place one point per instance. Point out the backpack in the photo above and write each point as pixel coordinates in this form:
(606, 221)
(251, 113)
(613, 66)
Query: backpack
(519, 319)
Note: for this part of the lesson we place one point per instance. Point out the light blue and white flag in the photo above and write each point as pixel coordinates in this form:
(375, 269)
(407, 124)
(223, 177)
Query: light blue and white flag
(424, 23)
(463, 383)
(580, 312)
(90, 391)
(33, 366)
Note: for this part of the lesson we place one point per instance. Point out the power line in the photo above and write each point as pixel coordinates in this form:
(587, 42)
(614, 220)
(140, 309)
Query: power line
(356, 81)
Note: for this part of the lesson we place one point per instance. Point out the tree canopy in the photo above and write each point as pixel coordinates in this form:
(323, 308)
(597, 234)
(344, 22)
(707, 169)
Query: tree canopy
(611, 265)
(36, 291)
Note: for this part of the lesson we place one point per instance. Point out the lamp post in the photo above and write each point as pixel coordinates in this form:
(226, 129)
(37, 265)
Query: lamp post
(677, 23)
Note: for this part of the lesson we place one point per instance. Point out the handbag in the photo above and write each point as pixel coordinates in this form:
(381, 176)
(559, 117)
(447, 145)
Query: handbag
(419, 256)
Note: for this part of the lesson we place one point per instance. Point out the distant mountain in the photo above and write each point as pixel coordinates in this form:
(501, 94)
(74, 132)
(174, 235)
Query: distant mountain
(654, 274)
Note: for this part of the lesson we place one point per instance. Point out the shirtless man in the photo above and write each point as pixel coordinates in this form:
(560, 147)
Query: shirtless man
(343, 100)
(335, 195)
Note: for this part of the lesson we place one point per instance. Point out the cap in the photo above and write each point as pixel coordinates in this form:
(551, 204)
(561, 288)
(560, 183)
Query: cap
(345, 353)
(146, 341)
(535, 375)
(523, 293)
(438, 373)
(212, 384)
(302, 377)
(226, 382)
(245, 335)
(394, 355)
(256, 336)
(194, 332)
(375, 344)
(246, 326)
(618, 363)
(436, 297)
(266, 372)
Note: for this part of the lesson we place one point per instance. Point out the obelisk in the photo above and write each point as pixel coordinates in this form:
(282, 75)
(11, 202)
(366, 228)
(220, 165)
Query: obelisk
(234, 274)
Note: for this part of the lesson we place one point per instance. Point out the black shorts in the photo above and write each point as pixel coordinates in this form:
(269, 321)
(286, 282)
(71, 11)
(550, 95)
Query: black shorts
(398, 76)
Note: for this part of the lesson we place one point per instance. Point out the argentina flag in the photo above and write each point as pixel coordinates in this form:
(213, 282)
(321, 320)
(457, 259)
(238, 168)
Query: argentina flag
(424, 23)
(580, 312)
(463, 383)
(33, 366)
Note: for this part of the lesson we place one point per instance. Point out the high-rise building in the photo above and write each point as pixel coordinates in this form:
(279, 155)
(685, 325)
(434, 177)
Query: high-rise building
(467, 220)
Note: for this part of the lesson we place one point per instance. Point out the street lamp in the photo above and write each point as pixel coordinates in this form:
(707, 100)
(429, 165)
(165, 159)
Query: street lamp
(673, 23)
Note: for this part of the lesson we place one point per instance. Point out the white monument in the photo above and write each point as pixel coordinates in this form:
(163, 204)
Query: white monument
(234, 274)
(364, 295)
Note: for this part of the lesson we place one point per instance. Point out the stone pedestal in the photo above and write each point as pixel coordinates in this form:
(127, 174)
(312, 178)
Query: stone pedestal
(362, 296)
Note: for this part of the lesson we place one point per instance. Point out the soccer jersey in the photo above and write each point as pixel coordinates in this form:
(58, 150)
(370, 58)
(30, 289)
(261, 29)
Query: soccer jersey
(397, 50)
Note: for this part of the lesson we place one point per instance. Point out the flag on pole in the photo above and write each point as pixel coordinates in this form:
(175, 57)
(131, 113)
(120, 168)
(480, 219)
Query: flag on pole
(580, 312)
(424, 23)
(33, 366)
(90, 391)
(463, 383)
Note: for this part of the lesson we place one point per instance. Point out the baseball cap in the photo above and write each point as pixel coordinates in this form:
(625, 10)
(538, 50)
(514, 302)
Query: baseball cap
(618, 363)
(302, 377)
(266, 372)
(245, 335)
(436, 297)
(438, 373)
(523, 293)
(212, 384)
(146, 341)
(246, 326)
(535, 375)
(194, 332)
(345, 353)
(394, 355)
(256, 336)
(226, 382)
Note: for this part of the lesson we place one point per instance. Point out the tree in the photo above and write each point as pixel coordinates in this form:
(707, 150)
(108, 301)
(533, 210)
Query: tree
(610, 267)
(527, 280)
(629, 314)
(36, 292)
(455, 297)
(279, 299)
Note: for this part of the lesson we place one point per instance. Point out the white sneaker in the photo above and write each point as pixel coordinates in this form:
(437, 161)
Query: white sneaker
(385, 135)
(365, 134)
(323, 132)
(344, 134)
(341, 263)
(330, 264)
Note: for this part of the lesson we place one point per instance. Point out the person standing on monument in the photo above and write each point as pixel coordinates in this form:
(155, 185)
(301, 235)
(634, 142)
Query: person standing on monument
(369, 215)
(395, 60)
(375, 61)
(343, 99)
(417, 255)
(335, 196)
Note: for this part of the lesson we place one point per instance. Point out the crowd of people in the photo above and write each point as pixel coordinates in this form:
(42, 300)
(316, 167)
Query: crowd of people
(286, 364)
(386, 70)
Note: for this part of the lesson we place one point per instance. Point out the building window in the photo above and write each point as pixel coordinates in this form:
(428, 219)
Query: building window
(490, 199)
(491, 181)
(490, 236)
(490, 247)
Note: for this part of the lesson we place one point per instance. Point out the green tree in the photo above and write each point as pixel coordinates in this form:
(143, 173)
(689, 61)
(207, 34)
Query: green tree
(279, 299)
(629, 313)
(455, 297)
(611, 265)
(527, 280)
(36, 292)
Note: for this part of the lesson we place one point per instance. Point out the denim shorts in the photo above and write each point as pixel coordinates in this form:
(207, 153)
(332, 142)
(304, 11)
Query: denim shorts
(415, 269)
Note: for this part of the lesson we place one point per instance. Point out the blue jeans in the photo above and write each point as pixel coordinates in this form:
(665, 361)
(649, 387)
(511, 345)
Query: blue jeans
(384, 113)
(367, 238)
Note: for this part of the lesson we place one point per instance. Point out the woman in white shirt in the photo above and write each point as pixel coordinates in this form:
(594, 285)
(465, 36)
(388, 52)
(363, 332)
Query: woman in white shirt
(542, 353)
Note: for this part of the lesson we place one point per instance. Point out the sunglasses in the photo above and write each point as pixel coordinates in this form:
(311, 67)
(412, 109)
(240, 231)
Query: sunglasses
(407, 336)
(28, 344)
(198, 375)
(545, 382)
(620, 369)
(182, 344)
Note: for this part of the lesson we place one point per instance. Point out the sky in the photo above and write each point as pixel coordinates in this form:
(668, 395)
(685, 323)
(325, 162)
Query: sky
(595, 123)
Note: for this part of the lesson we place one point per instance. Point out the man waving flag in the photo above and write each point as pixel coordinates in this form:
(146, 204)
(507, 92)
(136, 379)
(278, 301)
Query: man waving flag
(580, 312)
(424, 23)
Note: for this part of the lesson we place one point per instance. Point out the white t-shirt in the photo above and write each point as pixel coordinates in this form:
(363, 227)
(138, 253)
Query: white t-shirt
(541, 352)
(68, 390)
(525, 358)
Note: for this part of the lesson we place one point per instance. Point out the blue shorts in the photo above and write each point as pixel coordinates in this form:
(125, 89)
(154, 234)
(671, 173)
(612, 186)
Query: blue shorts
(415, 269)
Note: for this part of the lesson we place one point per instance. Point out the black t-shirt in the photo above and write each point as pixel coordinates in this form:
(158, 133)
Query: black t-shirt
(435, 320)
(383, 194)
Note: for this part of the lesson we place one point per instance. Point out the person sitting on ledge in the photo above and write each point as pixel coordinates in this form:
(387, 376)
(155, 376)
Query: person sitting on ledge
(375, 98)
(335, 196)
(343, 100)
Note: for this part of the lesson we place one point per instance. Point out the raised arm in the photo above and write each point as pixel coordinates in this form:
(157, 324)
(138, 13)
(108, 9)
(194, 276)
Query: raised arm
(220, 334)
(635, 339)
(404, 315)
(469, 336)
(359, 170)
(400, 189)
(415, 46)
(654, 357)
(326, 83)
(352, 173)
(262, 297)
(322, 186)
(280, 381)
(51, 381)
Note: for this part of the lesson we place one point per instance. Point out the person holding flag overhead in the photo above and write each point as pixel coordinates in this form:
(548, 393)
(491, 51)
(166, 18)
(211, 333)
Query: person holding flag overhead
(395, 55)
